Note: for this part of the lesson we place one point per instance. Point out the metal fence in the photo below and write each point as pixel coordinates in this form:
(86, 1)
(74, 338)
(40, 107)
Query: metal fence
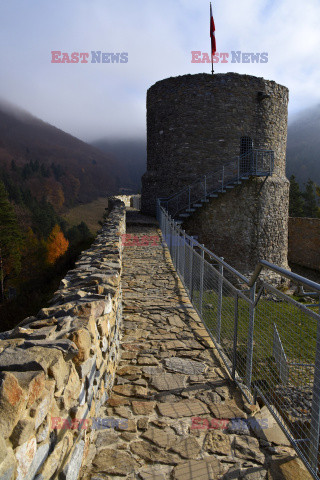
(254, 162)
(269, 341)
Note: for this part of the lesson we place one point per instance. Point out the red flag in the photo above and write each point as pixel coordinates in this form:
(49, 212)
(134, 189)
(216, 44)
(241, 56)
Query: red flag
(212, 33)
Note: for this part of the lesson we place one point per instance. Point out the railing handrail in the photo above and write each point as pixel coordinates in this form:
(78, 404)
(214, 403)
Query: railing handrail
(260, 265)
(200, 188)
(239, 157)
(199, 179)
(285, 273)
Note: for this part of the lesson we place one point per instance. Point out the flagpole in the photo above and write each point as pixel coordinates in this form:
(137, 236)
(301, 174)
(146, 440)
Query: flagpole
(211, 45)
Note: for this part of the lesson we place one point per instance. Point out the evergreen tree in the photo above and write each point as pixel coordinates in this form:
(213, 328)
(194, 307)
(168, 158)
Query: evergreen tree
(310, 209)
(10, 241)
(296, 201)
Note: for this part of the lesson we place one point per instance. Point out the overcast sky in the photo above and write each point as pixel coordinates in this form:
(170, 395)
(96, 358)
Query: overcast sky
(108, 99)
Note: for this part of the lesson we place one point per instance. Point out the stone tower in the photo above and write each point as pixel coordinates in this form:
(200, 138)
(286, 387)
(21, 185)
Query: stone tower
(195, 125)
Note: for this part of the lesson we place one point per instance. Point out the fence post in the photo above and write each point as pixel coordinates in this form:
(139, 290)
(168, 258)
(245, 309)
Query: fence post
(175, 245)
(238, 162)
(201, 280)
(220, 296)
(222, 180)
(184, 255)
(235, 337)
(250, 336)
(205, 186)
(178, 250)
(191, 270)
(315, 408)
(189, 201)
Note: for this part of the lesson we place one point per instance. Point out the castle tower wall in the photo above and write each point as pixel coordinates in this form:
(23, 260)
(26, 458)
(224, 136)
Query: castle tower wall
(194, 126)
(195, 122)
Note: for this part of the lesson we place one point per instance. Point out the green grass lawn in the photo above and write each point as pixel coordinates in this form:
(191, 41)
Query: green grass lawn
(90, 213)
(296, 329)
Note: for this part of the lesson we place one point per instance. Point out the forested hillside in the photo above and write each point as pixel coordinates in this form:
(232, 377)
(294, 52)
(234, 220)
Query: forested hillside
(43, 172)
(52, 164)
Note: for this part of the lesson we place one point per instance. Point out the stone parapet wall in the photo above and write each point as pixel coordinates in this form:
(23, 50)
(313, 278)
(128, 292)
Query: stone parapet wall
(304, 242)
(130, 200)
(57, 369)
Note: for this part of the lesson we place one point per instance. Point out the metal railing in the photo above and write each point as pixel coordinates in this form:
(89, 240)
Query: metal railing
(256, 328)
(252, 163)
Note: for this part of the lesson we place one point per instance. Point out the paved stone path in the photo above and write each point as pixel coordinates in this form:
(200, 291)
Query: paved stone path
(170, 387)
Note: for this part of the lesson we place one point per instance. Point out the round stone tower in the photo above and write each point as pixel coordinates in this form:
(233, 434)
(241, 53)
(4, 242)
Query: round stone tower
(198, 123)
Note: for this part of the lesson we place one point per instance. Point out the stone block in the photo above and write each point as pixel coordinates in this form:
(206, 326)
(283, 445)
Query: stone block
(25, 455)
(8, 464)
(13, 401)
(38, 460)
(186, 366)
(22, 431)
(72, 390)
(54, 460)
(248, 448)
(161, 438)
(184, 408)
(143, 407)
(168, 381)
(187, 448)
(82, 340)
(114, 462)
(207, 469)
(288, 468)
(266, 428)
(218, 442)
(72, 467)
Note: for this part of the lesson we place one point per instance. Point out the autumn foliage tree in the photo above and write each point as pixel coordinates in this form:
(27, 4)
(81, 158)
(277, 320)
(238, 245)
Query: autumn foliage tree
(57, 245)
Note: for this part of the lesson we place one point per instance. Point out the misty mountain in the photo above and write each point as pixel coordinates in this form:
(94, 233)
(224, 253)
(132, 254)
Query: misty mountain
(303, 147)
(131, 155)
(53, 164)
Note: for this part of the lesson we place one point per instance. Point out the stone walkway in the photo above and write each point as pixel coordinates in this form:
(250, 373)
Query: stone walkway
(172, 403)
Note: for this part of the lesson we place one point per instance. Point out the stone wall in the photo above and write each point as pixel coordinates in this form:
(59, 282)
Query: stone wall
(246, 224)
(130, 200)
(195, 122)
(57, 368)
(304, 242)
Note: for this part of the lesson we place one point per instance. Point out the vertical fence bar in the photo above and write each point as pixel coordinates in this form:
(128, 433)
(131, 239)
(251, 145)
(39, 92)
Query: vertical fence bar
(178, 251)
(235, 338)
(176, 246)
(173, 253)
(220, 298)
(170, 236)
(222, 180)
(238, 166)
(205, 186)
(189, 194)
(183, 255)
(250, 336)
(191, 269)
(201, 280)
